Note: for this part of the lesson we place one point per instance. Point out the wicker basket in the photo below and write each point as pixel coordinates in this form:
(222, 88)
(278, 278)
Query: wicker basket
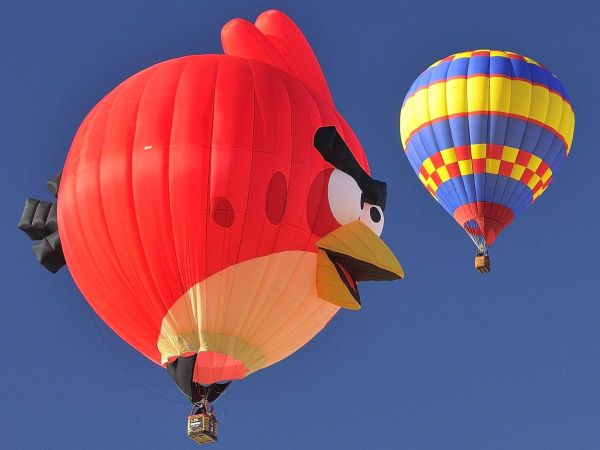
(203, 428)
(482, 263)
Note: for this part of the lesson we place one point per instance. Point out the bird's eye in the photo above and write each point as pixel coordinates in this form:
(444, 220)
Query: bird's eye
(372, 216)
(344, 197)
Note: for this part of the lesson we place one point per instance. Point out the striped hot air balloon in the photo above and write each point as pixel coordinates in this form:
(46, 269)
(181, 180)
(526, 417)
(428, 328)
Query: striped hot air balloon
(485, 131)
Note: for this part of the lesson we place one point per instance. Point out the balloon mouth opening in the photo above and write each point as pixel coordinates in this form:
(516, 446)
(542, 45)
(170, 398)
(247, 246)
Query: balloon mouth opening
(483, 222)
(215, 367)
(343, 266)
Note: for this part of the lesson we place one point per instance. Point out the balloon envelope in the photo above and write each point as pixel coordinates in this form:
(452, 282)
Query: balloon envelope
(486, 131)
(193, 201)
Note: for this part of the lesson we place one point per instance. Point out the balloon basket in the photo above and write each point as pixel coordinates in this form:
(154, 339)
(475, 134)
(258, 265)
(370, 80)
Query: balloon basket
(203, 428)
(482, 263)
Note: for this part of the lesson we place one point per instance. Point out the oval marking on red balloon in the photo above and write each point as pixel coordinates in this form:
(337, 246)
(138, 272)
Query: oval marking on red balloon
(276, 198)
(222, 212)
(318, 212)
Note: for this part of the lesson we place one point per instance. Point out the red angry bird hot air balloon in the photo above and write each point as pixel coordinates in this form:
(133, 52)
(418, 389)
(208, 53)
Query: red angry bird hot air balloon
(217, 210)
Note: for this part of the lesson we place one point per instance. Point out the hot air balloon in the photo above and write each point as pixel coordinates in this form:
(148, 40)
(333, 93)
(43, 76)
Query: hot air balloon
(216, 211)
(485, 131)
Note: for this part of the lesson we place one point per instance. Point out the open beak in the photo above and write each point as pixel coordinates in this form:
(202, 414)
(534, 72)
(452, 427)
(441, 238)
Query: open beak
(347, 255)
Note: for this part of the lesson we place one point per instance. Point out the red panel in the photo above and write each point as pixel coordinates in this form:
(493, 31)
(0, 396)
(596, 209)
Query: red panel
(453, 170)
(479, 165)
(463, 152)
(505, 168)
(494, 151)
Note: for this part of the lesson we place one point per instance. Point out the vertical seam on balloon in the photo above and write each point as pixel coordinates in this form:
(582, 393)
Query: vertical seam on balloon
(137, 109)
(235, 266)
(167, 178)
(493, 208)
(476, 190)
(557, 154)
(123, 280)
(132, 196)
(204, 301)
(506, 195)
(296, 268)
(520, 146)
(251, 328)
(439, 149)
(461, 177)
(302, 301)
(118, 330)
(266, 267)
(420, 150)
(536, 148)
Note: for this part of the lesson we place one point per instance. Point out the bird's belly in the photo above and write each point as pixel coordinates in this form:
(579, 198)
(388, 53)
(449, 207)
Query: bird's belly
(247, 316)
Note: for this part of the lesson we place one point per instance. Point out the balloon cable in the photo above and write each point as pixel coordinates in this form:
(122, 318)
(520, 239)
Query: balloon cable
(136, 381)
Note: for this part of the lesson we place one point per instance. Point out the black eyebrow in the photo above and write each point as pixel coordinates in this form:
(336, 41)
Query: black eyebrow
(334, 150)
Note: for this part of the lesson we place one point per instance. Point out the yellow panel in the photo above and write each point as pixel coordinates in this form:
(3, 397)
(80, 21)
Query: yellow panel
(565, 128)
(547, 175)
(431, 184)
(456, 96)
(517, 171)
(422, 178)
(534, 163)
(406, 122)
(466, 167)
(498, 53)
(500, 89)
(492, 165)
(448, 155)
(555, 106)
(428, 165)
(463, 55)
(478, 93)
(531, 61)
(421, 107)
(443, 173)
(520, 98)
(509, 154)
(437, 100)
(539, 192)
(533, 181)
(478, 151)
(539, 103)
(569, 136)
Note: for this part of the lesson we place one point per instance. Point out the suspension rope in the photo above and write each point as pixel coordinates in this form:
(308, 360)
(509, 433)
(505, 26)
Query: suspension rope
(136, 381)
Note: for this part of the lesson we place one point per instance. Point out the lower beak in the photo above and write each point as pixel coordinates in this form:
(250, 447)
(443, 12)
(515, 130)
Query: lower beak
(347, 255)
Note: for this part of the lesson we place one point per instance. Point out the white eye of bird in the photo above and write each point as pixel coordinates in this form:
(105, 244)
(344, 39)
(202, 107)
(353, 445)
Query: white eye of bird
(344, 197)
(372, 216)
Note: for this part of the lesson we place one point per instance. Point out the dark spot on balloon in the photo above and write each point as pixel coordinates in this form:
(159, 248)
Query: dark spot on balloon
(276, 198)
(318, 212)
(222, 212)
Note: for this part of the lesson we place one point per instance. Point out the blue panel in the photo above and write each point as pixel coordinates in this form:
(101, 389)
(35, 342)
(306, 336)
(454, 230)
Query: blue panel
(479, 65)
(512, 132)
(484, 65)
(496, 188)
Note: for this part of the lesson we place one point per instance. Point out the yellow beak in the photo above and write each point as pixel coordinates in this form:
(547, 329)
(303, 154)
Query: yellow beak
(347, 255)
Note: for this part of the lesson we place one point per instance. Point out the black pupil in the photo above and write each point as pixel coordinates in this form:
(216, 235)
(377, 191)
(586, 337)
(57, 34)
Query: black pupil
(375, 214)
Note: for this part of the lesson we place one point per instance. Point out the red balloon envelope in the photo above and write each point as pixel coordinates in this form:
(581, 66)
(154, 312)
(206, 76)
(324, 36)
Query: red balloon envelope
(219, 207)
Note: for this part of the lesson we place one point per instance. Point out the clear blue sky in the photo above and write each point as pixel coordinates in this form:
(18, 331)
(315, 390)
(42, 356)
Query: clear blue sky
(445, 359)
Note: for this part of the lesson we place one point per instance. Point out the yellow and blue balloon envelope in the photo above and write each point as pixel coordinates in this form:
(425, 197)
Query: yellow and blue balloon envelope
(485, 131)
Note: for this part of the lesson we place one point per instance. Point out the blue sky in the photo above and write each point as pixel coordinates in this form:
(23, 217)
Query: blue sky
(445, 359)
